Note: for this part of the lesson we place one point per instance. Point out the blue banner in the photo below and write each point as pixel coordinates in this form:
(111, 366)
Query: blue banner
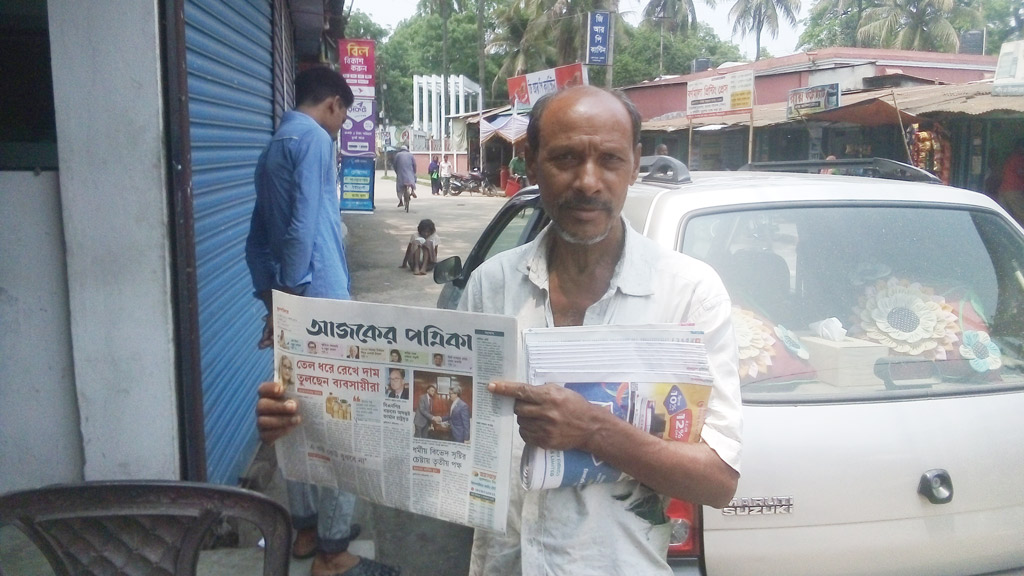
(357, 180)
(599, 30)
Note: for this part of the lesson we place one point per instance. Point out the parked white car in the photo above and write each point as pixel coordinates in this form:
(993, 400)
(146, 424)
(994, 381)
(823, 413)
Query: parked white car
(896, 447)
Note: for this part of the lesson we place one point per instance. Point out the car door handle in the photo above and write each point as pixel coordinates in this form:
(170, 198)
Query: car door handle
(937, 486)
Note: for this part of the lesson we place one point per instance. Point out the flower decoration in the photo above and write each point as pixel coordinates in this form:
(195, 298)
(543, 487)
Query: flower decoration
(791, 342)
(754, 340)
(908, 318)
(981, 351)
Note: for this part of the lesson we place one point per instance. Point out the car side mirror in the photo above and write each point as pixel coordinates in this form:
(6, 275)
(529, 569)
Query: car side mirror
(447, 270)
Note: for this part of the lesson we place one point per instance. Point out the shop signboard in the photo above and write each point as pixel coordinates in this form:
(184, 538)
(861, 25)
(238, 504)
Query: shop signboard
(599, 27)
(804, 101)
(528, 88)
(358, 145)
(720, 95)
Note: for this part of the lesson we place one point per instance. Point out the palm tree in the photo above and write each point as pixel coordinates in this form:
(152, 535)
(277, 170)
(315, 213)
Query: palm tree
(679, 14)
(523, 47)
(842, 9)
(758, 15)
(916, 24)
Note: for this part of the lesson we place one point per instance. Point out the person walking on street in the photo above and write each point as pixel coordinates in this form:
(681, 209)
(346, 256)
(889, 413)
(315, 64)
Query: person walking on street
(434, 170)
(405, 176)
(446, 175)
(295, 246)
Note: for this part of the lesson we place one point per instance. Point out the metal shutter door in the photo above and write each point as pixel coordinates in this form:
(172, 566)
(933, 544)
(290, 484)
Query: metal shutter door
(230, 90)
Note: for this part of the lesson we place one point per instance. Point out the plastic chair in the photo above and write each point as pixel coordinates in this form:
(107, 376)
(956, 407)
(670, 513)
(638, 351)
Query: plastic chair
(140, 528)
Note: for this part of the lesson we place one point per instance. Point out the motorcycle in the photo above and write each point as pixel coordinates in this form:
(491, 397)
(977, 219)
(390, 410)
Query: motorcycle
(474, 181)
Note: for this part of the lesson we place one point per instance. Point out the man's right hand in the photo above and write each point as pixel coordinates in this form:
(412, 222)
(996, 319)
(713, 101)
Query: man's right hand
(275, 416)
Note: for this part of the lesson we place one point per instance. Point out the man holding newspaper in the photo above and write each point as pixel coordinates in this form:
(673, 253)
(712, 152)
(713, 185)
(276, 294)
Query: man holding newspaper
(590, 267)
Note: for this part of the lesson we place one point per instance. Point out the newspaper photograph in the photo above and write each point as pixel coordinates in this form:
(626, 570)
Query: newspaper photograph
(663, 408)
(395, 407)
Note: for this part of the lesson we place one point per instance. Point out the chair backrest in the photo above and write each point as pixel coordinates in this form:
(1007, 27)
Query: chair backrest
(140, 527)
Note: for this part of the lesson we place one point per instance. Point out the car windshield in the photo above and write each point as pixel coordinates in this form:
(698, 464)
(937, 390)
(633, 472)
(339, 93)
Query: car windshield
(832, 304)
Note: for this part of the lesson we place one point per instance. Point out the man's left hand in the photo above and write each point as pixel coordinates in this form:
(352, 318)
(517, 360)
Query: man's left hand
(551, 416)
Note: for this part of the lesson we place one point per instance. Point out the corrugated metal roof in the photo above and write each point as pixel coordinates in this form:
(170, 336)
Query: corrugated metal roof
(972, 99)
(975, 98)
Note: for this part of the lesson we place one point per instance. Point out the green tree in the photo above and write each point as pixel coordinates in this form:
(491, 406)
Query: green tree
(830, 23)
(670, 15)
(758, 16)
(916, 24)
(519, 42)
(360, 25)
(1004, 21)
(415, 47)
(634, 64)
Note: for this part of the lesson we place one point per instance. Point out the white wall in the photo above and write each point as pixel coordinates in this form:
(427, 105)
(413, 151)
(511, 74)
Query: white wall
(40, 443)
(848, 77)
(113, 184)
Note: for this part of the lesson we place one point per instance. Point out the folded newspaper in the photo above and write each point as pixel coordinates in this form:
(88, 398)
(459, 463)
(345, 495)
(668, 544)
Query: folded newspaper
(653, 377)
(395, 407)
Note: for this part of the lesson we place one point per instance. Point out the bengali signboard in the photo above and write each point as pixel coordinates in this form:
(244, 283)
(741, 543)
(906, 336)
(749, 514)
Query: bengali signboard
(356, 58)
(599, 27)
(804, 101)
(357, 184)
(720, 95)
(527, 89)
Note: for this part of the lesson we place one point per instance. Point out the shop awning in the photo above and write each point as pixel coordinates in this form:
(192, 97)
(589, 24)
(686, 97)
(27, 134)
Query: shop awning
(486, 130)
(874, 111)
(510, 128)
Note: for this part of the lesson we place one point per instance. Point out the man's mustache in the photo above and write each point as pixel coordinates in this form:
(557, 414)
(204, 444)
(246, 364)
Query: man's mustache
(585, 203)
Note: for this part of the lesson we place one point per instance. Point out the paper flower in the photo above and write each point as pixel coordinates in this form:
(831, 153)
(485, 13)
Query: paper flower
(908, 318)
(754, 340)
(791, 342)
(981, 351)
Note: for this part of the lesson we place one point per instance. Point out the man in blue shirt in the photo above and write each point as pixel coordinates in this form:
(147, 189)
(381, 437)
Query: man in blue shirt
(295, 246)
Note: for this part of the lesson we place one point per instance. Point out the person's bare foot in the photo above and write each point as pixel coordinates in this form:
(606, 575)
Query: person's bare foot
(333, 564)
(305, 543)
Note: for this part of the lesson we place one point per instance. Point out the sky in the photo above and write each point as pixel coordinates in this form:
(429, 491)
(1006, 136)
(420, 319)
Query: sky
(389, 13)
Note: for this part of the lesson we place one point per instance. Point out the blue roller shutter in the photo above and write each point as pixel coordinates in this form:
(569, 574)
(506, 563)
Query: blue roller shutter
(229, 63)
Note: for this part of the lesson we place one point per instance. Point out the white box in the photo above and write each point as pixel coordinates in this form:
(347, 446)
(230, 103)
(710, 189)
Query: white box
(850, 362)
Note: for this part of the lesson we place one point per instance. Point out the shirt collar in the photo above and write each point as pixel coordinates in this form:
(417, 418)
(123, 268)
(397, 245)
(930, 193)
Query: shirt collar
(634, 274)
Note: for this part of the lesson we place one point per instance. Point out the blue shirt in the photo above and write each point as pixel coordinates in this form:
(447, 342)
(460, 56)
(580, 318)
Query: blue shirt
(294, 240)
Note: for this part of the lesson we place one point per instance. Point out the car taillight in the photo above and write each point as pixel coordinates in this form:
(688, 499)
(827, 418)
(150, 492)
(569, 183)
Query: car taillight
(685, 538)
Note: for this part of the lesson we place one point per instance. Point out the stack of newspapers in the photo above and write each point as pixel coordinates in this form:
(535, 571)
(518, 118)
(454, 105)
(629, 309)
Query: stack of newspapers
(655, 377)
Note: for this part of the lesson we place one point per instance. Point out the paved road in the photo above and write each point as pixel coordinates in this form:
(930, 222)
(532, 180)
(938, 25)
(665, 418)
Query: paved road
(376, 242)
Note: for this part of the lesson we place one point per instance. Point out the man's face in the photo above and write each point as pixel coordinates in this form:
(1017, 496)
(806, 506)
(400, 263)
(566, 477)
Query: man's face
(431, 391)
(396, 381)
(585, 163)
(438, 360)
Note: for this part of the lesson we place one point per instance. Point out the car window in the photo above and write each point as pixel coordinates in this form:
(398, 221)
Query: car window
(516, 232)
(839, 303)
